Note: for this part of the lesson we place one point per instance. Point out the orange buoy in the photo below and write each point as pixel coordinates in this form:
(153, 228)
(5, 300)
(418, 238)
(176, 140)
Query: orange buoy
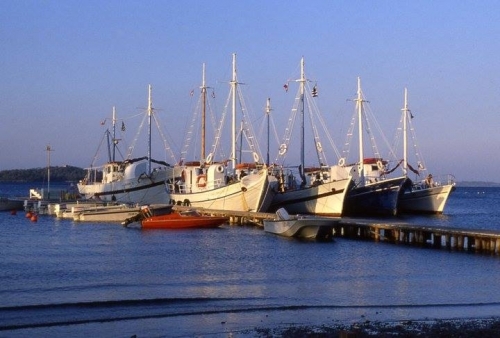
(34, 218)
(29, 214)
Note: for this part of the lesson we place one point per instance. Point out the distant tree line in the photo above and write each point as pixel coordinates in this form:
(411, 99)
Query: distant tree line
(57, 174)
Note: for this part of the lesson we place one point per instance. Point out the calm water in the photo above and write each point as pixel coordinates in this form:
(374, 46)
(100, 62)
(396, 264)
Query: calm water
(60, 278)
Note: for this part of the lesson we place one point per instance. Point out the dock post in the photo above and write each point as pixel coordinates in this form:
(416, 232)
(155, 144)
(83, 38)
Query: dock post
(497, 246)
(453, 242)
(466, 243)
(395, 235)
(477, 244)
(445, 241)
(401, 236)
(460, 242)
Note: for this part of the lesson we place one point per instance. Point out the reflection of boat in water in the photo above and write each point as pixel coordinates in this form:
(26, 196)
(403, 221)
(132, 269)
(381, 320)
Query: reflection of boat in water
(427, 195)
(224, 184)
(189, 219)
(300, 226)
(131, 180)
(323, 189)
(373, 193)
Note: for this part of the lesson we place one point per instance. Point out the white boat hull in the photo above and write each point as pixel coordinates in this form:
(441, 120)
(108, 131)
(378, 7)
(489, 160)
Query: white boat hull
(427, 201)
(323, 199)
(299, 227)
(144, 190)
(252, 193)
(106, 214)
(116, 213)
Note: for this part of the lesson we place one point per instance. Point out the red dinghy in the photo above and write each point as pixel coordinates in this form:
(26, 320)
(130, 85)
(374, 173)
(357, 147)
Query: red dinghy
(182, 220)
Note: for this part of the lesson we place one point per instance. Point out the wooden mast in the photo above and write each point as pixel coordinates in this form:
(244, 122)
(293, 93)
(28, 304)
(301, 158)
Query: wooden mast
(268, 114)
(234, 84)
(203, 115)
(359, 102)
(405, 133)
(150, 113)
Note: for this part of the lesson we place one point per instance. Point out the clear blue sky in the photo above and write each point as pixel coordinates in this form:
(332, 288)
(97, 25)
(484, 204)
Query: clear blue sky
(65, 64)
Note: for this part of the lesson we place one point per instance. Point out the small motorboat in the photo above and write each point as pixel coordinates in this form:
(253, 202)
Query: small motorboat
(189, 219)
(300, 226)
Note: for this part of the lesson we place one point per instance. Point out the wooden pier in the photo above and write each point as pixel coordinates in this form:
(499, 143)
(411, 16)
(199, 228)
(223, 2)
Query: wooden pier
(452, 239)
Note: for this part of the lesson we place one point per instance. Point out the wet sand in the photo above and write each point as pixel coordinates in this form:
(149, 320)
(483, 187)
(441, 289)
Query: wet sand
(487, 327)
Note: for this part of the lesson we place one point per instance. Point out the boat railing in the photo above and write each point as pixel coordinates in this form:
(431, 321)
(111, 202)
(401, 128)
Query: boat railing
(434, 181)
(186, 188)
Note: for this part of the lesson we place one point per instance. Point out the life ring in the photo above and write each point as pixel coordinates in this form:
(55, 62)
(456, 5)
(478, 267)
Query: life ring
(220, 169)
(201, 181)
(209, 158)
(380, 165)
(342, 161)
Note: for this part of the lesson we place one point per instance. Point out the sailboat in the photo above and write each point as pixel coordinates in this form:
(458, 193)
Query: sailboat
(223, 184)
(424, 195)
(323, 188)
(129, 181)
(373, 193)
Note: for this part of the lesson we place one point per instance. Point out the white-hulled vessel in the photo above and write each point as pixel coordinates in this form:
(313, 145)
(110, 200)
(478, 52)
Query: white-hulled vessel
(425, 195)
(223, 184)
(134, 180)
(373, 193)
(300, 226)
(323, 188)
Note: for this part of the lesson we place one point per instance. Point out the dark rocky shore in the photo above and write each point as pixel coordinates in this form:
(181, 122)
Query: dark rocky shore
(488, 327)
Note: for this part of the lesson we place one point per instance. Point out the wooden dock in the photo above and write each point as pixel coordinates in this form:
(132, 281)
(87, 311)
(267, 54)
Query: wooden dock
(452, 239)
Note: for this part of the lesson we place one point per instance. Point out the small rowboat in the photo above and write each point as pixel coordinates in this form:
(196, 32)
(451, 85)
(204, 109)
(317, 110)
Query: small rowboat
(183, 220)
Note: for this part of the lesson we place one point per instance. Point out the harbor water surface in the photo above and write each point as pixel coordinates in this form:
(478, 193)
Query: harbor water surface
(62, 278)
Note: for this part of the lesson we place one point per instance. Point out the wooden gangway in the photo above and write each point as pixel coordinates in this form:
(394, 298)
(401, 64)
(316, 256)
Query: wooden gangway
(450, 238)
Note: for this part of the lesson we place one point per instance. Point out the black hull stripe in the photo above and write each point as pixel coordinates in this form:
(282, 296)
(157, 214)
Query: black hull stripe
(123, 191)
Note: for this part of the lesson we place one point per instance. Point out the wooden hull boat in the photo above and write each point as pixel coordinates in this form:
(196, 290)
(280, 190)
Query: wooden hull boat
(182, 220)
